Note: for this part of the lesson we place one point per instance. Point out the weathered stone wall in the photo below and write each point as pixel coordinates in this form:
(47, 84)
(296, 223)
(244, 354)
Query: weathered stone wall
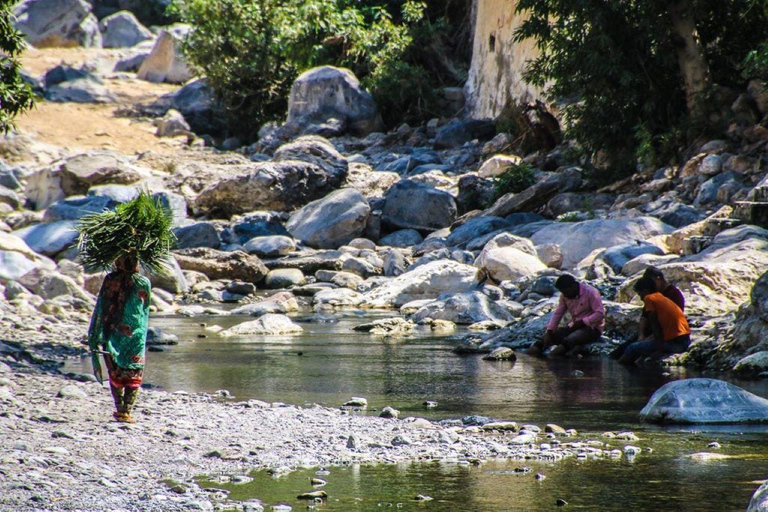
(495, 75)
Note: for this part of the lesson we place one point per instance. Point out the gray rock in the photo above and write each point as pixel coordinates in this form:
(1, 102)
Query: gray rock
(49, 238)
(222, 265)
(708, 191)
(47, 23)
(463, 308)
(324, 93)
(315, 150)
(118, 194)
(172, 124)
(394, 263)
(411, 205)
(475, 228)
(197, 103)
(457, 132)
(165, 63)
(389, 412)
(704, 401)
(332, 221)
(83, 90)
(284, 278)
(616, 257)
(170, 278)
(501, 354)
(64, 73)
(51, 284)
(280, 186)
(71, 391)
(425, 282)
(121, 30)
(173, 202)
(266, 324)
(256, 224)
(200, 234)
(402, 238)
(281, 302)
(752, 365)
(537, 195)
(759, 500)
(270, 246)
(17, 258)
(341, 297)
(578, 240)
(76, 207)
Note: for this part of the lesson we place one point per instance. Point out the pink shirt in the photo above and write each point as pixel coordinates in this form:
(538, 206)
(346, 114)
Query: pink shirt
(587, 306)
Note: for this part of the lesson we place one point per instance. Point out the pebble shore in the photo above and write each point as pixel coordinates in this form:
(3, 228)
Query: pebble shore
(61, 449)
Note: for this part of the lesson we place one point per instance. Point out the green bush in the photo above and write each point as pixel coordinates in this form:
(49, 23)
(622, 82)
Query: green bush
(614, 69)
(515, 179)
(16, 97)
(252, 51)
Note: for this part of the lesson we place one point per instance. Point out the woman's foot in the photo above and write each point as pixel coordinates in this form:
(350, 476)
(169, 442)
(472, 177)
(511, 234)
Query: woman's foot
(125, 418)
(117, 415)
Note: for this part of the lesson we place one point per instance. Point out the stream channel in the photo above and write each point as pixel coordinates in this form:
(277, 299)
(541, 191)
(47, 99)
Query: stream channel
(329, 363)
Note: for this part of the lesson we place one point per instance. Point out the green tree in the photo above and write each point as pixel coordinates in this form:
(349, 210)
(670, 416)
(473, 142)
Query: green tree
(16, 96)
(634, 76)
(251, 51)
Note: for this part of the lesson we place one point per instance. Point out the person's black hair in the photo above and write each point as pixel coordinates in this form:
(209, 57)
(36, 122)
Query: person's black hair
(645, 285)
(565, 281)
(653, 273)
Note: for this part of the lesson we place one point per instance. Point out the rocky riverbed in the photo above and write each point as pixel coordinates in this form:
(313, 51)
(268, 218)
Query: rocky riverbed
(61, 449)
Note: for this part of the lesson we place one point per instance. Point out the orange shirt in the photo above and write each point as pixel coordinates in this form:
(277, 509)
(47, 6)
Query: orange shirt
(672, 320)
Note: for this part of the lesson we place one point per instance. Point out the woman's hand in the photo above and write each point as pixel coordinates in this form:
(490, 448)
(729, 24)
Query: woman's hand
(97, 368)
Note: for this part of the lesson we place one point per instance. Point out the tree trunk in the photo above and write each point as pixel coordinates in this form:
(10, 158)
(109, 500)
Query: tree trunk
(690, 55)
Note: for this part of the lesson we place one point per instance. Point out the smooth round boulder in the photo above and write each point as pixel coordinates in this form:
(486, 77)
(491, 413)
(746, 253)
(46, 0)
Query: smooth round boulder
(284, 278)
(270, 246)
(704, 401)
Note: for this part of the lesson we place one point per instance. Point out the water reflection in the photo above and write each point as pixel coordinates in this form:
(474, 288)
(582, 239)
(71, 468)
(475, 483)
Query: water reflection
(329, 363)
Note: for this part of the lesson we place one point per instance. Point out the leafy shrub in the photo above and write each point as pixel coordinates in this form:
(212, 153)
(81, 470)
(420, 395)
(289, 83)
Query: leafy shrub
(613, 68)
(252, 51)
(515, 179)
(16, 97)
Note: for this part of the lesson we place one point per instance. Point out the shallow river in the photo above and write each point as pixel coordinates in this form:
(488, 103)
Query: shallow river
(330, 363)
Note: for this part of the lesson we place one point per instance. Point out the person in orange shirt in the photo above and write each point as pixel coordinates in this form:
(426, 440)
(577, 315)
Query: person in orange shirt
(670, 331)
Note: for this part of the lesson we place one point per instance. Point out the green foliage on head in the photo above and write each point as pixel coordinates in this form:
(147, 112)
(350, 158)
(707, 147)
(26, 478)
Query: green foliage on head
(16, 96)
(515, 179)
(252, 51)
(141, 228)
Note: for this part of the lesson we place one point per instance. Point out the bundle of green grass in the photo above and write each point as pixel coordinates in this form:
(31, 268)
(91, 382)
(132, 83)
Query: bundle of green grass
(141, 227)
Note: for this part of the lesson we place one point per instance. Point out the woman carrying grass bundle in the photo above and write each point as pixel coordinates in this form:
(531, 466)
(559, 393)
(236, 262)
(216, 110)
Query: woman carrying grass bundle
(138, 232)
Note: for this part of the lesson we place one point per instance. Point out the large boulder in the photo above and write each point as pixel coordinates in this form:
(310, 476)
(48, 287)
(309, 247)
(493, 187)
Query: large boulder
(537, 195)
(75, 175)
(235, 265)
(270, 246)
(578, 240)
(717, 280)
(199, 234)
(458, 132)
(46, 23)
(280, 186)
(17, 258)
(331, 221)
(327, 93)
(475, 228)
(507, 257)
(704, 401)
(49, 238)
(428, 281)
(121, 30)
(759, 501)
(170, 278)
(165, 63)
(315, 150)
(197, 103)
(412, 205)
(82, 90)
(77, 207)
(463, 308)
(269, 323)
(49, 284)
(614, 258)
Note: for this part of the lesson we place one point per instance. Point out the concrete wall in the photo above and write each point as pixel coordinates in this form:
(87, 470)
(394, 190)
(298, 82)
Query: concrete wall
(495, 75)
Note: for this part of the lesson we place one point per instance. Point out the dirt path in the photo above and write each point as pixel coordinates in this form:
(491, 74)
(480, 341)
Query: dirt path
(94, 126)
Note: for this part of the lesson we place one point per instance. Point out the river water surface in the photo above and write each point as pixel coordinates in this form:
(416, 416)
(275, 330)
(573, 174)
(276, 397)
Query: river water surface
(329, 363)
